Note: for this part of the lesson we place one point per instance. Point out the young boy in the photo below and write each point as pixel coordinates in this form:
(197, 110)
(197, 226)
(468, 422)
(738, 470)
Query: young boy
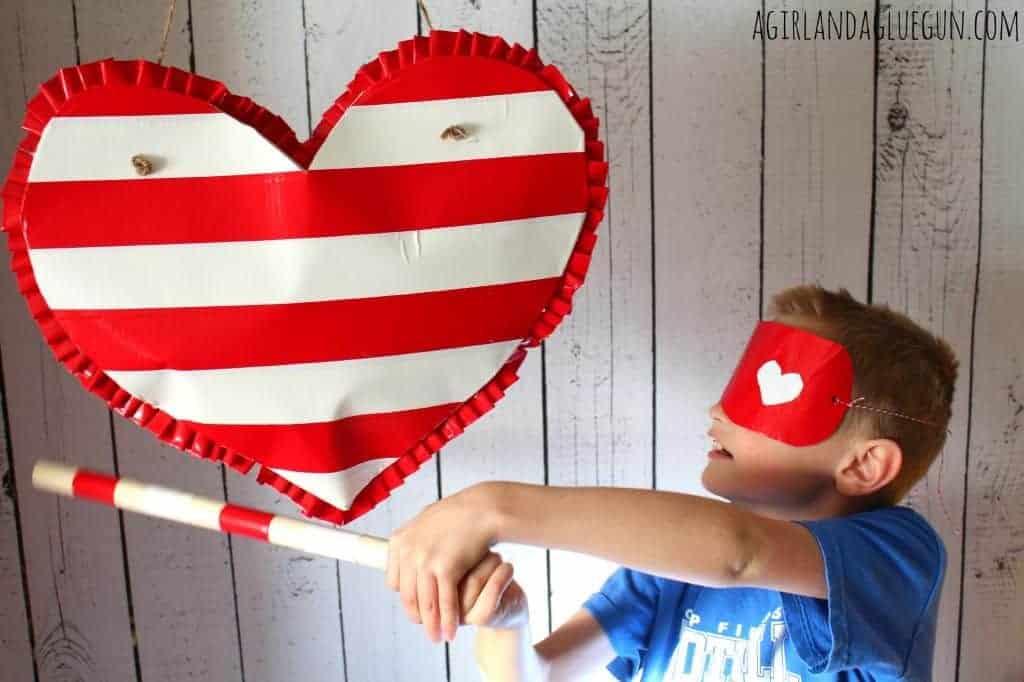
(809, 572)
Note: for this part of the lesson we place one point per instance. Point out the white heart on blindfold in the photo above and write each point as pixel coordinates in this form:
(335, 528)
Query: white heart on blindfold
(776, 387)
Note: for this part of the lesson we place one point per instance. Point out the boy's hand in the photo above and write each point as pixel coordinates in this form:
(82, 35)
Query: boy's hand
(489, 597)
(430, 555)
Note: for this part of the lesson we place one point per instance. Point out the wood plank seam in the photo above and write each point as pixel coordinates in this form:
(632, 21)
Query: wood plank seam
(124, 557)
(10, 491)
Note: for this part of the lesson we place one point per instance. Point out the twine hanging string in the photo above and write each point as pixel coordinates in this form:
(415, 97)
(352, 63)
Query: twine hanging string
(453, 132)
(426, 15)
(167, 30)
(144, 166)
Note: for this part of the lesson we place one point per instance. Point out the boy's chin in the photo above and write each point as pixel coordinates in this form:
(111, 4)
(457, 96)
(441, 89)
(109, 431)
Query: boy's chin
(727, 484)
(712, 486)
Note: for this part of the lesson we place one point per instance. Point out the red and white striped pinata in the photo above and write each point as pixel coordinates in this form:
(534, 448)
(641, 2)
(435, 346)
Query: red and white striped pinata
(335, 310)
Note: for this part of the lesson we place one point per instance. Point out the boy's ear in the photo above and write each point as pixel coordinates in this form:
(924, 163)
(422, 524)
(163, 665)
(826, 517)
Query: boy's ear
(869, 466)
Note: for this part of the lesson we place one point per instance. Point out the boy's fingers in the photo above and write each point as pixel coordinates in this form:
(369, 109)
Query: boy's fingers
(487, 603)
(474, 581)
(407, 581)
(426, 595)
(448, 603)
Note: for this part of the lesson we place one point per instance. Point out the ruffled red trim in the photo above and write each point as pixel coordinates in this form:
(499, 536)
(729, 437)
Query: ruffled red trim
(70, 81)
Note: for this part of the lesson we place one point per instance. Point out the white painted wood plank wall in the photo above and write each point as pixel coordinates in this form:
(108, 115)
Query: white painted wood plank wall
(738, 168)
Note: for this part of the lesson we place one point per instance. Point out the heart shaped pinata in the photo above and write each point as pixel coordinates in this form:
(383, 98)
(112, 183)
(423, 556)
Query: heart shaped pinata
(334, 310)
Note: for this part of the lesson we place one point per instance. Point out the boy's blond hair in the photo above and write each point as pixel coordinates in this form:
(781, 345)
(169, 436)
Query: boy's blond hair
(897, 366)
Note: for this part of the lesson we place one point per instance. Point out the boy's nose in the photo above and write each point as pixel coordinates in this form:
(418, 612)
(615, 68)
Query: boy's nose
(716, 412)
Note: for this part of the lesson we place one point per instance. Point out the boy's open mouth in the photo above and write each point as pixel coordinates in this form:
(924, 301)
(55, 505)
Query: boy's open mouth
(718, 451)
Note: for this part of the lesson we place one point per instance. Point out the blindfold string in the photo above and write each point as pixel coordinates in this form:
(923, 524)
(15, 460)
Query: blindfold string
(856, 402)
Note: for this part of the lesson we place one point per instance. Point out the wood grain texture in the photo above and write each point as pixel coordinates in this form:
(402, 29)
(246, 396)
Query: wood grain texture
(707, 189)
(925, 248)
(132, 30)
(15, 631)
(12, 103)
(507, 443)
(74, 557)
(818, 165)
(993, 583)
(257, 49)
(599, 364)
(512, 19)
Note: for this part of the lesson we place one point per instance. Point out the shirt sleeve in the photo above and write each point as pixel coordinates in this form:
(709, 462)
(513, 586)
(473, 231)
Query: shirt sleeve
(884, 570)
(625, 607)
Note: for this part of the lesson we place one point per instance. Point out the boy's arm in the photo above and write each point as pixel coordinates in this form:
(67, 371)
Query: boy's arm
(577, 647)
(677, 536)
(673, 535)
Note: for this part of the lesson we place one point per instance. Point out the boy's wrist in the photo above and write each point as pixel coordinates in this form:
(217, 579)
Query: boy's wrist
(497, 504)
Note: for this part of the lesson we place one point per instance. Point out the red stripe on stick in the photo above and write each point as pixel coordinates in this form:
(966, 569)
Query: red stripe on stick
(321, 203)
(93, 486)
(245, 521)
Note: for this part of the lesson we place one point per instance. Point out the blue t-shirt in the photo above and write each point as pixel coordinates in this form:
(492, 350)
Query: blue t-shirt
(884, 570)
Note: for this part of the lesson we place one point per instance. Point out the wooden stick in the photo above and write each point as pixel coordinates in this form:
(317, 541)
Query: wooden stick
(175, 505)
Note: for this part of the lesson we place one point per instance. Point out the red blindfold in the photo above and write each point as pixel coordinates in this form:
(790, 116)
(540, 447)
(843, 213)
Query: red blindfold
(786, 383)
